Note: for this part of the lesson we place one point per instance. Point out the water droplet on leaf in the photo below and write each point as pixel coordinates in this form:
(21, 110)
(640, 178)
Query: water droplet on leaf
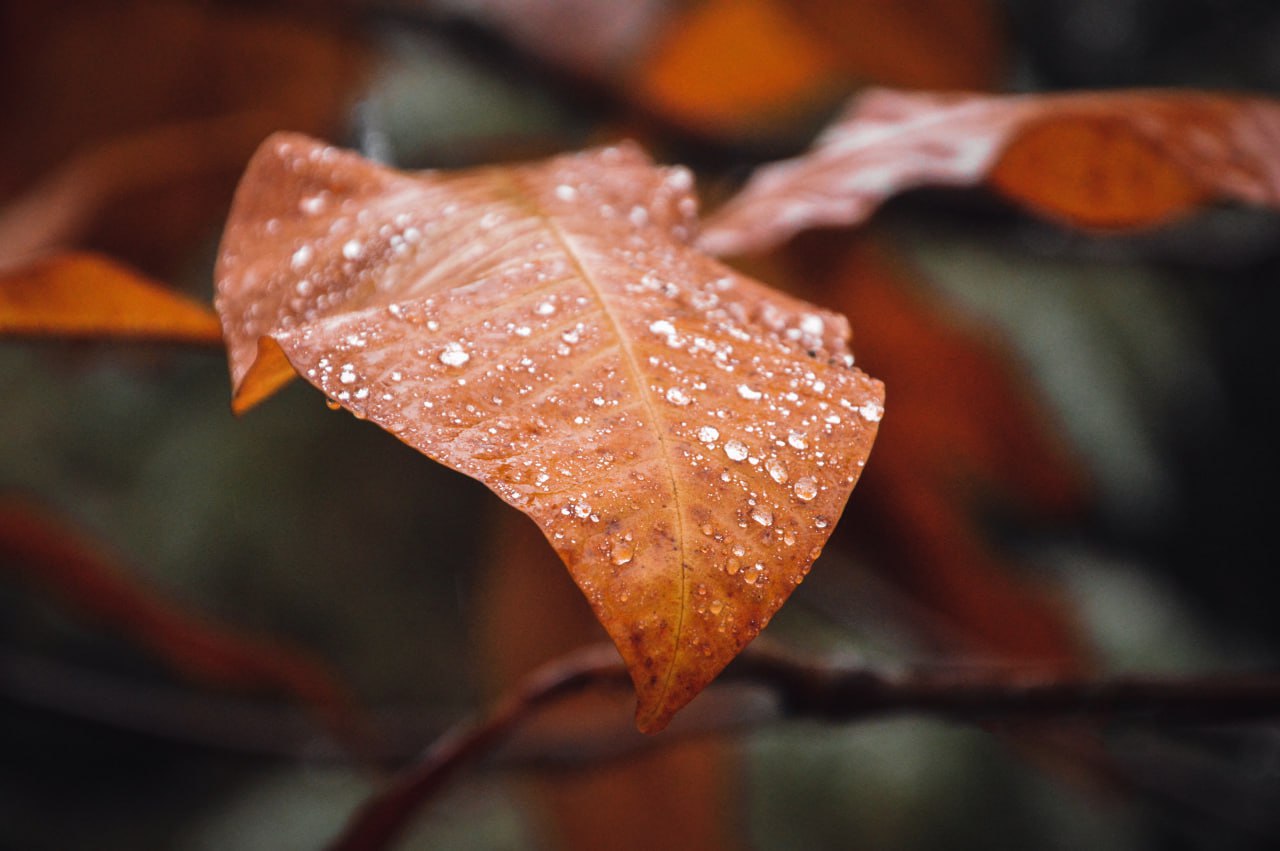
(453, 355)
(806, 489)
(623, 550)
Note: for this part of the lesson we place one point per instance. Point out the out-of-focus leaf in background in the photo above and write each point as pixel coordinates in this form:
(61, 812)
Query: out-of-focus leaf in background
(128, 123)
(967, 427)
(754, 71)
(1097, 160)
(76, 296)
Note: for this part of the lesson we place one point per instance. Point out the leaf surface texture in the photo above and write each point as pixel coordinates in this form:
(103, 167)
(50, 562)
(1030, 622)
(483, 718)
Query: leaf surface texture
(685, 437)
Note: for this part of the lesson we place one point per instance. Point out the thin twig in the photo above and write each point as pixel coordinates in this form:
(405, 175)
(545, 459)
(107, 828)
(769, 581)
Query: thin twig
(832, 691)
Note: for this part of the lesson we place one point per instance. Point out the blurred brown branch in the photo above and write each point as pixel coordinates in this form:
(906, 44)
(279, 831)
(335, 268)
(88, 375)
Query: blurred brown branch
(831, 690)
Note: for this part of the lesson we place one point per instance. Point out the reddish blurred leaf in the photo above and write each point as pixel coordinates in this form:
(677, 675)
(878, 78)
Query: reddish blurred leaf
(754, 68)
(69, 200)
(729, 67)
(684, 436)
(44, 552)
(131, 120)
(86, 296)
(732, 66)
(1101, 160)
(964, 420)
(531, 616)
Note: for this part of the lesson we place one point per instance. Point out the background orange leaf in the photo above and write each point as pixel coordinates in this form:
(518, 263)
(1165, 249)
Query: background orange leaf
(1103, 160)
(530, 614)
(752, 70)
(685, 437)
(753, 67)
(127, 124)
(968, 432)
(87, 296)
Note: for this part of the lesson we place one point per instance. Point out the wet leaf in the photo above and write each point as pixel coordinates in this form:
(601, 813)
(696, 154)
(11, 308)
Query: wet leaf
(1099, 160)
(86, 296)
(45, 552)
(684, 436)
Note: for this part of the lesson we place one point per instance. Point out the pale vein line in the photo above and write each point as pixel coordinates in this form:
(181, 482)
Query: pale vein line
(634, 367)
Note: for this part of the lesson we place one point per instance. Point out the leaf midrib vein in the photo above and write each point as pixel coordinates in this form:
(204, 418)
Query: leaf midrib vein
(526, 200)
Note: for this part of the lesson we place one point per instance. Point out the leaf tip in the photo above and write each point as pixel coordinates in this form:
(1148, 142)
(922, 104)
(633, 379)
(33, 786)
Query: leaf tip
(269, 372)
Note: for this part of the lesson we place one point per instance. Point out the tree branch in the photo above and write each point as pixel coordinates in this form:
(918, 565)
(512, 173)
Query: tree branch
(832, 691)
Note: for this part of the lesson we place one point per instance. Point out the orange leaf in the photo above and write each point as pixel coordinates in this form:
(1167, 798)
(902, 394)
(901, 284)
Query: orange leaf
(84, 295)
(727, 67)
(58, 560)
(684, 436)
(1103, 160)
(131, 144)
(755, 68)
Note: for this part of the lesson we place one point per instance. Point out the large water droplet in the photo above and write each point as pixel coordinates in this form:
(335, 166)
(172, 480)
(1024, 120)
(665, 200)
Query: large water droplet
(352, 249)
(753, 574)
(797, 440)
(806, 488)
(748, 393)
(736, 450)
(812, 324)
(777, 470)
(453, 355)
(762, 515)
(717, 606)
(623, 550)
(300, 258)
(311, 205)
(707, 434)
(676, 396)
(871, 411)
(733, 566)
